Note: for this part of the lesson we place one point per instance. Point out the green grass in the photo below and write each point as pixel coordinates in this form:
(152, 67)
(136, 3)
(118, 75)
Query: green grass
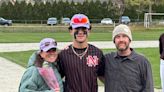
(152, 54)
(25, 34)
(20, 58)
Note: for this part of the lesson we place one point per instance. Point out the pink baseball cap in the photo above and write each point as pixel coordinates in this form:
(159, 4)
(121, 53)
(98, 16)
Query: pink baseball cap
(47, 44)
(80, 20)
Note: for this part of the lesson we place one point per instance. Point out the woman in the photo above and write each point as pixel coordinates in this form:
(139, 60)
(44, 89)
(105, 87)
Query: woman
(42, 74)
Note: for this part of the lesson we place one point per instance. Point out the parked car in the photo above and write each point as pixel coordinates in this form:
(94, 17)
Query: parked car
(124, 20)
(106, 21)
(65, 21)
(52, 21)
(5, 22)
(161, 22)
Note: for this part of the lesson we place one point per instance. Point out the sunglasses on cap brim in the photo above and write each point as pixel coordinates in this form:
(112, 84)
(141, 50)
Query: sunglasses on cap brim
(80, 20)
(49, 43)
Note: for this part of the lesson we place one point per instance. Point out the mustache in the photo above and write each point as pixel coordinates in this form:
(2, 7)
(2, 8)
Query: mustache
(121, 42)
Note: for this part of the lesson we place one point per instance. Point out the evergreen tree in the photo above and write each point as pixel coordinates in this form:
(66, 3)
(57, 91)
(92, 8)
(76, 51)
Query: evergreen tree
(35, 11)
(60, 7)
(28, 12)
(84, 7)
(73, 8)
(53, 10)
(3, 9)
(66, 9)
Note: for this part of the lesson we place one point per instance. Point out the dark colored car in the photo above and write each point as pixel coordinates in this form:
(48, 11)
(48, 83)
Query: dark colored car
(5, 22)
(124, 20)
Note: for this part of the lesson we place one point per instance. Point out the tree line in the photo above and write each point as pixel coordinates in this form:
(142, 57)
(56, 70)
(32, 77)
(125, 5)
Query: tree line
(95, 10)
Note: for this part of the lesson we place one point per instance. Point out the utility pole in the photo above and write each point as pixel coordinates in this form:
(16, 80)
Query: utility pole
(150, 10)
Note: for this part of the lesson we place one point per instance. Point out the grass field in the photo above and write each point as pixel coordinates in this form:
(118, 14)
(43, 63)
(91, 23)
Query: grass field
(21, 58)
(23, 34)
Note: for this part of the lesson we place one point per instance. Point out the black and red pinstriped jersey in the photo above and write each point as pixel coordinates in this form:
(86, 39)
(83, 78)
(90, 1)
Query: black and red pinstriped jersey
(81, 74)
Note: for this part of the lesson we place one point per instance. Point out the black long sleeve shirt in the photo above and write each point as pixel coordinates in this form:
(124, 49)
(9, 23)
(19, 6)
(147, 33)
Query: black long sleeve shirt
(161, 46)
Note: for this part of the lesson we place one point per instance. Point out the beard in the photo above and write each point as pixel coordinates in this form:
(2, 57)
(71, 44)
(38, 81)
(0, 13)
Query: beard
(122, 48)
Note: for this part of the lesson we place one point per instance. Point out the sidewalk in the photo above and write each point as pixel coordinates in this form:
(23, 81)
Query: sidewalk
(102, 45)
(11, 73)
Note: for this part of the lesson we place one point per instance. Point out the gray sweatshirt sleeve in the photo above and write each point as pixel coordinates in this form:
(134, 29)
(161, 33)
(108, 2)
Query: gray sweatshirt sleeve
(146, 77)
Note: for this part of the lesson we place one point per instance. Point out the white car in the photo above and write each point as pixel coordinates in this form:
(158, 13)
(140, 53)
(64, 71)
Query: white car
(124, 20)
(106, 21)
(161, 22)
(65, 21)
(52, 21)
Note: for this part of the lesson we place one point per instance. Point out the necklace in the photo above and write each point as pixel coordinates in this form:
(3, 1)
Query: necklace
(81, 54)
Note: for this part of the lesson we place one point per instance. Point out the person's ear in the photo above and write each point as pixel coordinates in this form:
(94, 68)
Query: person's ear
(71, 32)
(69, 28)
(88, 33)
(90, 27)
